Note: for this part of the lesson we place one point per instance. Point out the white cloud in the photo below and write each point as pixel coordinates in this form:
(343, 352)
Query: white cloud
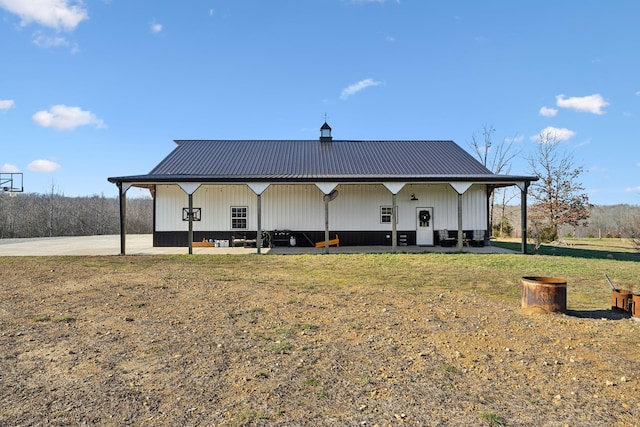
(357, 87)
(8, 168)
(45, 42)
(62, 117)
(553, 134)
(589, 104)
(632, 189)
(57, 14)
(156, 28)
(548, 112)
(43, 166)
(6, 104)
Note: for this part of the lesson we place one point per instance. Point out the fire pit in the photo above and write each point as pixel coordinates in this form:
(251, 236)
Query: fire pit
(546, 293)
(621, 299)
(635, 307)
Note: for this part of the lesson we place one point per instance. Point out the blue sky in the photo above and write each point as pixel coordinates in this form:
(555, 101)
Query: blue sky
(98, 88)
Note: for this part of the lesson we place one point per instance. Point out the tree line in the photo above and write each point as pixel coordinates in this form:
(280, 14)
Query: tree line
(610, 221)
(49, 215)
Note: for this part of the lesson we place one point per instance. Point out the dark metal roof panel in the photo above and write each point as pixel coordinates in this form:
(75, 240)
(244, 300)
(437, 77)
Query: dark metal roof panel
(314, 159)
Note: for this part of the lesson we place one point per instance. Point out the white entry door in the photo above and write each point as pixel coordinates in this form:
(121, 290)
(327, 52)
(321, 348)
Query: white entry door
(424, 226)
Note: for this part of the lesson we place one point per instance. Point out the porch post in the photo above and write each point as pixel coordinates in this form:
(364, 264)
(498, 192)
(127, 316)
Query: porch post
(460, 242)
(190, 215)
(394, 228)
(460, 188)
(329, 194)
(123, 217)
(258, 188)
(394, 188)
(326, 225)
(259, 231)
(190, 188)
(523, 214)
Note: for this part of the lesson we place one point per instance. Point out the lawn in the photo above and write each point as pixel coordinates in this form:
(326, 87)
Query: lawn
(315, 340)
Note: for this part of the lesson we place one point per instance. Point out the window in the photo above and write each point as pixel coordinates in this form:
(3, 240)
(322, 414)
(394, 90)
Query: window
(385, 214)
(238, 217)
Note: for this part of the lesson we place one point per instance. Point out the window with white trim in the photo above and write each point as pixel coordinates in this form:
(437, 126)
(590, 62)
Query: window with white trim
(385, 214)
(238, 217)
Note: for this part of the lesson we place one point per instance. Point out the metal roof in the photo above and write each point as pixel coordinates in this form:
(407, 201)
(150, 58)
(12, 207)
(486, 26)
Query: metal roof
(314, 160)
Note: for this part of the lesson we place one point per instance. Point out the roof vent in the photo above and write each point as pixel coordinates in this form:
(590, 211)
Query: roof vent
(325, 133)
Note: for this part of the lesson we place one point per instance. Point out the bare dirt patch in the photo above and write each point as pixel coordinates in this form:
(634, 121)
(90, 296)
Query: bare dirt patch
(257, 341)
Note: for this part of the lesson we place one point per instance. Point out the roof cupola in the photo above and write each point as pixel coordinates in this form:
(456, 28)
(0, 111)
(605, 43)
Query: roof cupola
(325, 133)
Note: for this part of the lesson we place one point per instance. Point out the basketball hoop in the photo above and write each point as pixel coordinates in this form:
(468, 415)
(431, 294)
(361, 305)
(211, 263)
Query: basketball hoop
(11, 182)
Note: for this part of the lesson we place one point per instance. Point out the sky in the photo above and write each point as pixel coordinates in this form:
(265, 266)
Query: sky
(99, 88)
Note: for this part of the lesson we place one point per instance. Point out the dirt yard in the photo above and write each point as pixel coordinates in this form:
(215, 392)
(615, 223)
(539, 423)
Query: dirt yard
(161, 341)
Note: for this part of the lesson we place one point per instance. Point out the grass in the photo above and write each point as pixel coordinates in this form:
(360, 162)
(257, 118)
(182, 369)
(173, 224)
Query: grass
(493, 419)
(281, 347)
(495, 276)
(611, 248)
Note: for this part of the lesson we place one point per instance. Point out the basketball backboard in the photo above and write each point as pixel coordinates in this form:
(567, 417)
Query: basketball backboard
(11, 182)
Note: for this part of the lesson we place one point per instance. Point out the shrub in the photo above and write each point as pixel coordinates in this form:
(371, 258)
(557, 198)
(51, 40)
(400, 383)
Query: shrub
(548, 234)
(503, 228)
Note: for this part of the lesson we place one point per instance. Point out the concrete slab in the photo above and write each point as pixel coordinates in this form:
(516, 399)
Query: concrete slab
(142, 244)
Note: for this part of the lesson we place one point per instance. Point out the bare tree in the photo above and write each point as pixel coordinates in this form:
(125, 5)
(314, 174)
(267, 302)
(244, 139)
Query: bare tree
(497, 158)
(53, 214)
(559, 197)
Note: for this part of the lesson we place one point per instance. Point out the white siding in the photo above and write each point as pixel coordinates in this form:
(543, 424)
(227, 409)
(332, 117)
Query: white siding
(215, 202)
(301, 207)
(292, 207)
(444, 201)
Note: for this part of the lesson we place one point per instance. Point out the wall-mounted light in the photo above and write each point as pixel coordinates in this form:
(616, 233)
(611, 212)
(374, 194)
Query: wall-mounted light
(413, 197)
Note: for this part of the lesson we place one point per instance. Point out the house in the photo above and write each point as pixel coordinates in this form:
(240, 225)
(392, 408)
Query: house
(307, 192)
